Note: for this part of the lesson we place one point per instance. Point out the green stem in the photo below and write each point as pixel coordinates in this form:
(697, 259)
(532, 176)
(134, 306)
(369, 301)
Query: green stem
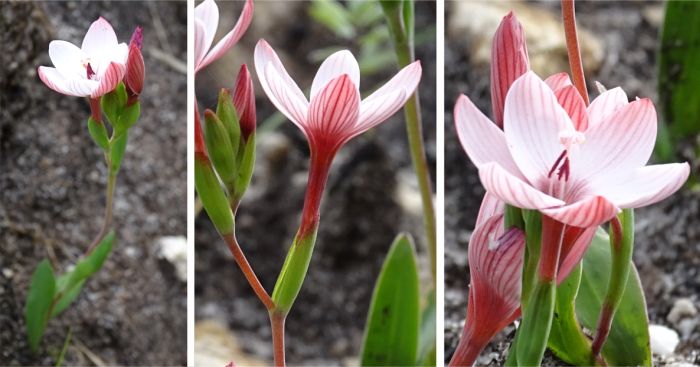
(621, 245)
(107, 219)
(401, 28)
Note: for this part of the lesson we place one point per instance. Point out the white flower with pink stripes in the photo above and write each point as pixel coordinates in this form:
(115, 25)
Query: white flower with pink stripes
(92, 70)
(578, 165)
(334, 113)
(206, 21)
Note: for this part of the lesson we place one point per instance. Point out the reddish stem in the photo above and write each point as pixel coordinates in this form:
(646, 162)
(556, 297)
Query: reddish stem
(319, 166)
(552, 239)
(277, 323)
(95, 109)
(603, 330)
(572, 46)
(248, 271)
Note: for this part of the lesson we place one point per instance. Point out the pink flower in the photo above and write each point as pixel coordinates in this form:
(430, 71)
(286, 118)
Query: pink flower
(335, 113)
(577, 165)
(92, 70)
(206, 21)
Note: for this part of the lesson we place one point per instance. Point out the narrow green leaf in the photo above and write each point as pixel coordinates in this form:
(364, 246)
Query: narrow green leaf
(39, 301)
(566, 339)
(628, 342)
(391, 332)
(334, 16)
(118, 147)
(59, 360)
(213, 196)
(129, 115)
(98, 132)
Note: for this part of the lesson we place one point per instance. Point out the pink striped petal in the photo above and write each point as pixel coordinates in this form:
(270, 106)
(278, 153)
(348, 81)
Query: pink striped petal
(623, 141)
(112, 76)
(532, 125)
(495, 267)
(232, 37)
(279, 86)
(99, 39)
(68, 59)
(333, 113)
(576, 242)
(589, 212)
(73, 87)
(605, 104)
(644, 186)
(558, 81)
(341, 62)
(383, 103)
(200, 49)
(509, 60)
(570, 99)
(512, 190)
(491, 205)
(483, 141)
(207, 14)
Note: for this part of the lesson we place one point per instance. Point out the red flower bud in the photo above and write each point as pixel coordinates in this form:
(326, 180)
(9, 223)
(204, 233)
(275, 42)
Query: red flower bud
(135, 68)
(199, 146)
(136, 38)
(244, 101)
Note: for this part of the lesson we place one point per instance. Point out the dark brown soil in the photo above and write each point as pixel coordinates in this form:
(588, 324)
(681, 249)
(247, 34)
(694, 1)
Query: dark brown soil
(52, 182)
(360, 214)
(667, 248)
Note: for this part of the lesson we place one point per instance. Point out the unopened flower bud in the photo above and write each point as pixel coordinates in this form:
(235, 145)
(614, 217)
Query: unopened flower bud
(244, 100)
(135, 68)
(219, 147)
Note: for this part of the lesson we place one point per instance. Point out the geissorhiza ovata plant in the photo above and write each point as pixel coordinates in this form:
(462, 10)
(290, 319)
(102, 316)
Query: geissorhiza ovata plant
(110, 75)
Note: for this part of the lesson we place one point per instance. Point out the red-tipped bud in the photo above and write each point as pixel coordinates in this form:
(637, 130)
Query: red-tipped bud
(136, 38)
(135, 68)
(199, 146)
(244, 101)
(509, 61)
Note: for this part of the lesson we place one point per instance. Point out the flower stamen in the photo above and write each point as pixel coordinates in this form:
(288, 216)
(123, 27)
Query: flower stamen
(90, 72)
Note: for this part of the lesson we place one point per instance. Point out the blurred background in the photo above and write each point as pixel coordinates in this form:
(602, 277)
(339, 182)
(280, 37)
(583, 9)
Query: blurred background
(371, 194)
(619, 42)
(52, 184)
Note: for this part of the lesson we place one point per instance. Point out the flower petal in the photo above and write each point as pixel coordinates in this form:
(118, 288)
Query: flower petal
(112, 76)
(279, 86)
(589, 212)
(533, 121)
(68, 59)
(624, 140)
(512, 190)
(341, 62)
(490, 205)
(644, 186)
(605, 104)
(570, 99)
(99, 39)
(73, 87)
(376, 108)
(575, 244)
(232, 37)
(333, 112)
(207, 13)
(483, 141)
(558, 81)
(200, 35)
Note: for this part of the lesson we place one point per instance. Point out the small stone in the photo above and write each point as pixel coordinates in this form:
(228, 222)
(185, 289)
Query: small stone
(663, 340)
(686, 327)
(8, 273)
(683, 307)
(174, 250)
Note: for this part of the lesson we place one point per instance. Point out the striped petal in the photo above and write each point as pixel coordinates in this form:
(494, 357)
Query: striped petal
(207, 14)
(509, 60)
(558, 81)
(532, 125)
(491, 205)
(644, 186)
(282, 91)
(605, 104)
(624, 140)
(333, 113)
(78, 87)
(341, 62)
(575, 243)
(483, 141)
(570, 99)
(513, 190)
(385, 101)
(232, 37)
(112, 76)
(589, 212)
(99, 39)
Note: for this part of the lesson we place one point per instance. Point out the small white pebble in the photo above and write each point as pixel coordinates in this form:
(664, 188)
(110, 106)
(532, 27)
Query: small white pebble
(686, 327)
(8, 273)
(174, 250)
(683, 307)
(663, 340)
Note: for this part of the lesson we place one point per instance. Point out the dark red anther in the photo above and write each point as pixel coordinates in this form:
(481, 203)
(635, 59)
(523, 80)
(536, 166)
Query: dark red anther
(564, 170)
(556, 164)
(90, 72)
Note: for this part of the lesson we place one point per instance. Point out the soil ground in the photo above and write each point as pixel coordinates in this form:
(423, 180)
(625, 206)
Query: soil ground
(52, 183)
(667, 246)
(361, 214)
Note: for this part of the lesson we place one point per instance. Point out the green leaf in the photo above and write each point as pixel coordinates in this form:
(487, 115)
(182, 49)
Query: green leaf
(116, 153)
(98, 132)
(427, 349)
(39, 301)
(566, 339)
(391, 333)
(679, 75)
(246, 165)
(69, 284)
(628, 342)
(213, 196)
(334, 16)
(129, 115)
(219, 147)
